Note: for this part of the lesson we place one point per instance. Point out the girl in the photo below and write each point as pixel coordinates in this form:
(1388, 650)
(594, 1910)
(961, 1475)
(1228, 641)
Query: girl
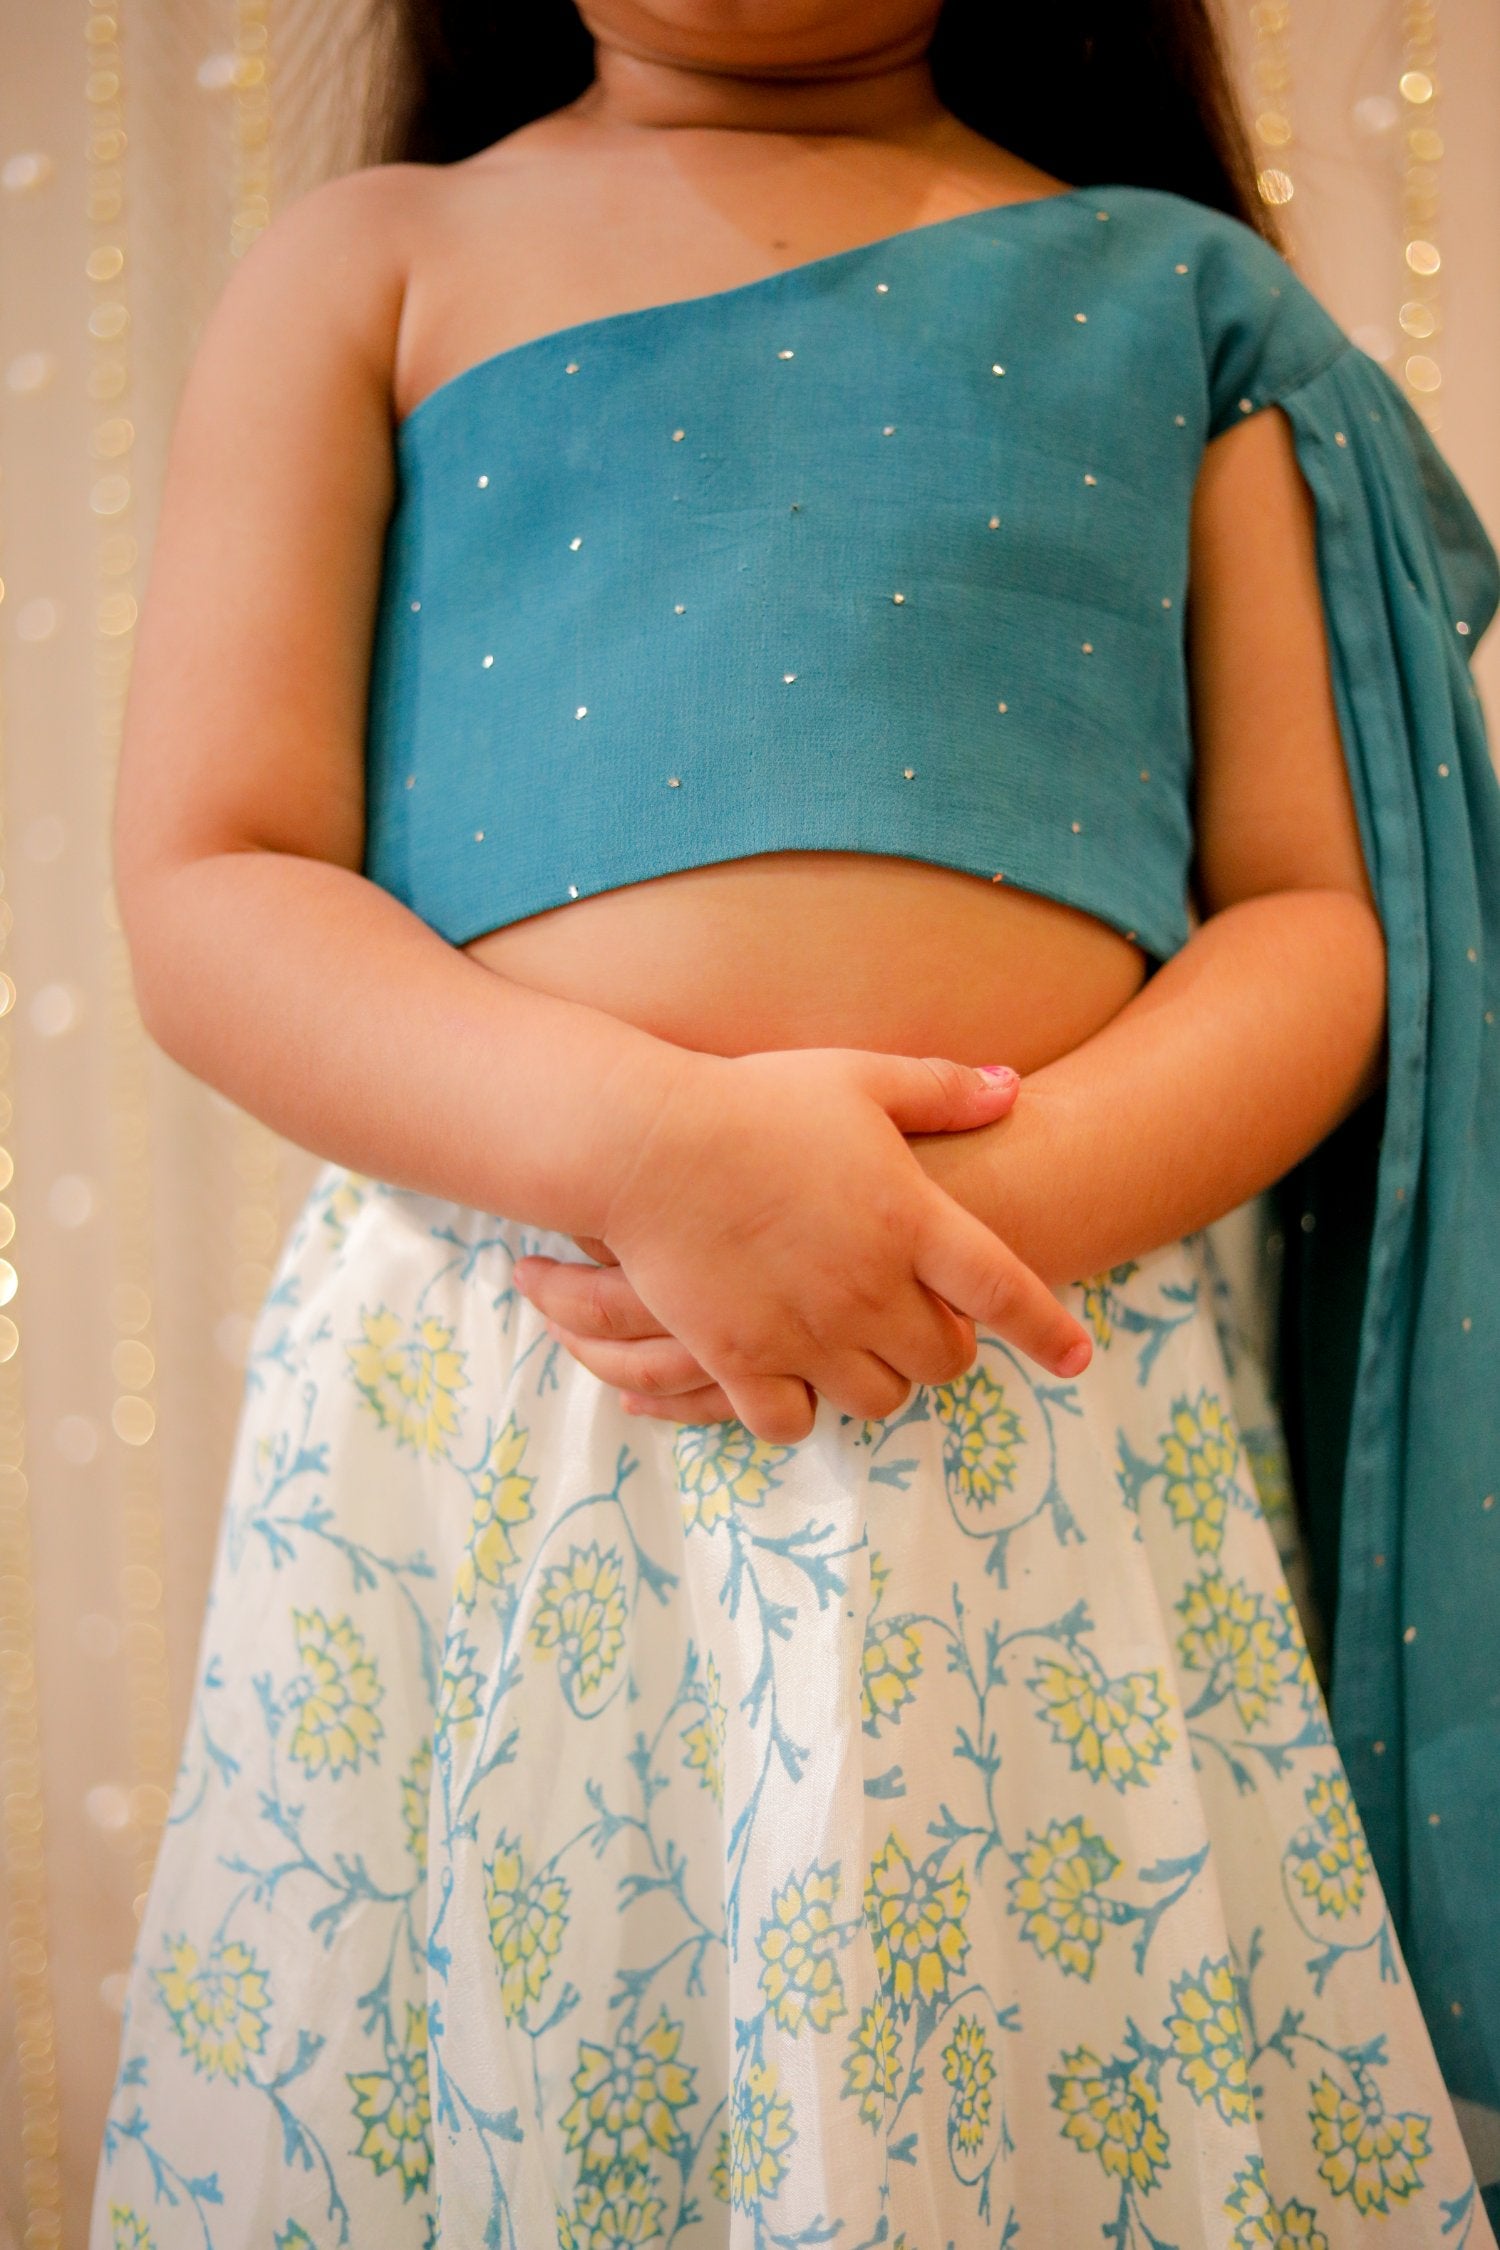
(669, 648)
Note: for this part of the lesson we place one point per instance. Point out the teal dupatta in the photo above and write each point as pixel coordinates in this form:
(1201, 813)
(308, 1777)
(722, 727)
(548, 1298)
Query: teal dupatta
(1389, 1354)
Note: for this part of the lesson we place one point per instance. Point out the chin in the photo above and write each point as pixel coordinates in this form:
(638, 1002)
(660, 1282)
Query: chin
(775, 38)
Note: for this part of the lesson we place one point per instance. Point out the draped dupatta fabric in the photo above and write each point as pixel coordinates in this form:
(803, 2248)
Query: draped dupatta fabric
(1389, 1346)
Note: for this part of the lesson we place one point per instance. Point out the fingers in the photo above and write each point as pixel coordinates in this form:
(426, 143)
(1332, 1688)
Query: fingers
(777, 1408)
(936, 1345)
(587, 1300)
(974, 1271)
(934, 1094)
(860, 1384)
(653, 1367)
(596, 1314)
(709, 1404)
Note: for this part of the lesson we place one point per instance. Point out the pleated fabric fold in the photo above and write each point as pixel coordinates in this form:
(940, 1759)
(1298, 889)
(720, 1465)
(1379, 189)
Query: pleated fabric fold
(1389, 1311)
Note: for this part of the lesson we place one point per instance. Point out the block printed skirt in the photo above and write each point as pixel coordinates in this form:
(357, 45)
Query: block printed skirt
(595, 1831)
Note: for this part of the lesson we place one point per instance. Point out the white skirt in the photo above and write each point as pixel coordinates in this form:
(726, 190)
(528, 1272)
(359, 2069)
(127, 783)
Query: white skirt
(596, 1832)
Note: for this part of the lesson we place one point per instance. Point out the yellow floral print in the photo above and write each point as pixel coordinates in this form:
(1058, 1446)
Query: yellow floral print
(1230, 1630)
(458, 1688)
(554, 1734)
(218, 2006)
(720, 1466)
(1362, 2151)
(871, 2064)
(626, 2097)
(1265, 2224)
(394, 2106)
(527, 1920)
(1099, 1306)
(704, 1739)
(1300, 1672)
(412, 1382)
(981, 1437)
(1115, 1729)
(1331, 1862)
(916, 1919)
(613, 2213)
(798, 1944)
(891, 1661)
(1111, 2110)
(969, 2068)
(1211, 2041)
(416, 1783)
(1056, 1893)
(1265, 1454)
(346, 1199)
(760, 2128)
(502, 1503)
(1200, 1456)
(581, 1612)
(335, 1697)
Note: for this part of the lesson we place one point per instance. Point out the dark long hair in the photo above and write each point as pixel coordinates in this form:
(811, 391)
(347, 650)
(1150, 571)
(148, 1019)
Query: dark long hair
(1135, 91)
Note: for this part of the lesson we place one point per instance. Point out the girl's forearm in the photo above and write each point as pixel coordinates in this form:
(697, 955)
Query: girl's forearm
(1232, 1062)
(326, 1008)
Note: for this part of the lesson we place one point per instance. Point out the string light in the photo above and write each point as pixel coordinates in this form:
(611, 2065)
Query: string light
(26, 1930)
(22, 1854)
(150, 1748)
(1271, 82)
(1421, 152)
(251, 80)
(256, 1221)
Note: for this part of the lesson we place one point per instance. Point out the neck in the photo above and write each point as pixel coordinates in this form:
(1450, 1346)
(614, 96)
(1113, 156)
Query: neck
(882, 97)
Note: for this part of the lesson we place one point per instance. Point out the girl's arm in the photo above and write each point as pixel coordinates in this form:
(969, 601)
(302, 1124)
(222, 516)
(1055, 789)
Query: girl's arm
(266, 962)
(1246, 1048)
(263, 961)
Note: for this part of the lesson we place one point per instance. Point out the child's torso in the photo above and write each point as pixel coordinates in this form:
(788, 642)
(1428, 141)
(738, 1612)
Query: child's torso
(782, 948)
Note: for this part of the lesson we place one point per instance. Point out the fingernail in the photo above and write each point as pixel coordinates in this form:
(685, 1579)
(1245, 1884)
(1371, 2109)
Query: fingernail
(1002, 1073)
(1076, 1358)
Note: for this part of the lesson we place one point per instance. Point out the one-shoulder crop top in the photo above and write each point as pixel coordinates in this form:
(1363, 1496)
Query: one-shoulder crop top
(884, 553)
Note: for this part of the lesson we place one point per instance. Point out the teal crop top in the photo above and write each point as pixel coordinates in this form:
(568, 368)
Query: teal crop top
(884, 553)
(888, 553)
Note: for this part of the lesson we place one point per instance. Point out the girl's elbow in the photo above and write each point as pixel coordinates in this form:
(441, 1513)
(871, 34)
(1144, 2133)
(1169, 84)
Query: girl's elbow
(155, 957)
(1366, 1009)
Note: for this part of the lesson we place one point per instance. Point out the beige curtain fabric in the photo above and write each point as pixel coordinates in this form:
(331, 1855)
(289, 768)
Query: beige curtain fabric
(142, 145)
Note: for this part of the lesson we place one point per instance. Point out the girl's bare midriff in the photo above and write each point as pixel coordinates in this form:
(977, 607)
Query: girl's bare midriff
(784, 949)
(781, 951)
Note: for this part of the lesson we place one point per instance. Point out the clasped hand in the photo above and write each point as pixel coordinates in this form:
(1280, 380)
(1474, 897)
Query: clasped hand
(775, 1238)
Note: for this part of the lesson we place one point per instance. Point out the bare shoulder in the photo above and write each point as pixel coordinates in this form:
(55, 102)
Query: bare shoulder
(322, 286)
(279, 485)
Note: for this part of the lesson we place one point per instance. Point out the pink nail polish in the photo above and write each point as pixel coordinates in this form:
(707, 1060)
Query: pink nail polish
(1000, 1072)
